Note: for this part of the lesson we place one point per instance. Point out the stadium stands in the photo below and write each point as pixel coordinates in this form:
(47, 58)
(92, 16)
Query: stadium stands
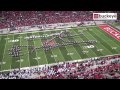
(101, 68)
(29, 18)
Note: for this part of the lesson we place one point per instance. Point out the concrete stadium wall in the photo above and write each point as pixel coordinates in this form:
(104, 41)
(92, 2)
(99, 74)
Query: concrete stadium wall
(46, 27)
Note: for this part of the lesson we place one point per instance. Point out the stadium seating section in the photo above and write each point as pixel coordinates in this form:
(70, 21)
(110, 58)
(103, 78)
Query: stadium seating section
(29, 18)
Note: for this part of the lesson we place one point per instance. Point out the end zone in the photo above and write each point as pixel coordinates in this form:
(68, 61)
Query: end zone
(111, 31)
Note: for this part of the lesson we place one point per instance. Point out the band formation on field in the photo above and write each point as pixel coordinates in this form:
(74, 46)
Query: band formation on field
(49, 43)
(40, 48)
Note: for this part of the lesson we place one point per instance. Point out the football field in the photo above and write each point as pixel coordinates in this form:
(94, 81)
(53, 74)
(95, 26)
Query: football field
(106, 45)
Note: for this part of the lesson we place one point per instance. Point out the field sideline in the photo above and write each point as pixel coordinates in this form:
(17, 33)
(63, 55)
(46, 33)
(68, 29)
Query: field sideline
(106, 45)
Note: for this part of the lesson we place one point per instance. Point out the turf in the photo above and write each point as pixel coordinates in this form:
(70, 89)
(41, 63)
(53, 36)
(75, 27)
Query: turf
(61, 54)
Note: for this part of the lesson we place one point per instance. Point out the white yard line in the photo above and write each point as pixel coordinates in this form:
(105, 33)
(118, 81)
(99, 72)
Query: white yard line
(44, 53)
(110, 36)
(95, 39)
(75, 50)
(43, 50)
(100, 44)
(80, 45)
(60, 52)
(105, 41)
(36, 51)
(0, 38)
(53, 53)
(66, 50)
(4, 51)
(28, 53)
(20, 57)
(71, 52)
(11, 57)
(90, 49)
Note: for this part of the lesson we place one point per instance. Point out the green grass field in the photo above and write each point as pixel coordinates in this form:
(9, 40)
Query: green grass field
(106, 43)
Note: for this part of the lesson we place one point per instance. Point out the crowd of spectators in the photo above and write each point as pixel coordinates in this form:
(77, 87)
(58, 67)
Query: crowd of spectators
(29, 18)
(100, 68)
